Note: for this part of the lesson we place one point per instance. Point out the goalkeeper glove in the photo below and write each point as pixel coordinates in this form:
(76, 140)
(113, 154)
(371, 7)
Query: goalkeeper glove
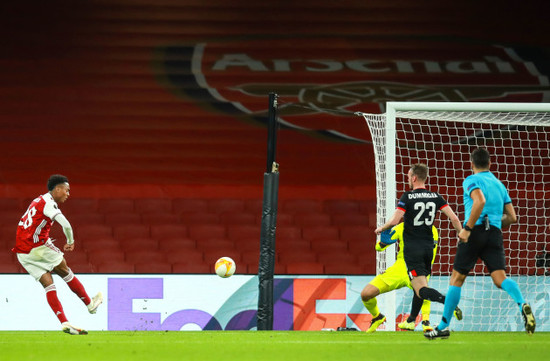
(387, 238)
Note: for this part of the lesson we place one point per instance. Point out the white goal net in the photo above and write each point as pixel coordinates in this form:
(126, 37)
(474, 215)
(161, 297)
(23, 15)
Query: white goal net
(443, 135)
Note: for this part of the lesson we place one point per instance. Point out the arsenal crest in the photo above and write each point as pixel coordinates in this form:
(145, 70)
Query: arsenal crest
(319, 90)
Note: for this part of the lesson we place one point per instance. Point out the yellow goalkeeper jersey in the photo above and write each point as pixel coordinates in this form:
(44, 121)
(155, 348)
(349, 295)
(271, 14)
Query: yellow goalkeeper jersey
(399, 235)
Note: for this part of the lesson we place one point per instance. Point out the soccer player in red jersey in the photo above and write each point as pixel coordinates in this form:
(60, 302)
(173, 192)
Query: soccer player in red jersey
(38, 255)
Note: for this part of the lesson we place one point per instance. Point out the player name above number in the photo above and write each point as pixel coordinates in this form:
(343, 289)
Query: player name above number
(422, 195)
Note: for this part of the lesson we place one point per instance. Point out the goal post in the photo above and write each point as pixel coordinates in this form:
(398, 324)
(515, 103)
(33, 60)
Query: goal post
(443, 135)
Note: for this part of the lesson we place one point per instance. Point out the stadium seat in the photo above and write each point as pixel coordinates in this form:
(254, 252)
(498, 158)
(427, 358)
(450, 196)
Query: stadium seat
(93, 231)
(298, 268)
(57, 235)
(144, 256)
(280, 268)
(75, 206)
(202, 232)
(253, 206)
(187, 205)
(10, 268)
(199, 218)
(342, 220)
(99, 256)
(77, 256)
(331, 257)
(131, 231)
(82, 267)
(7, 234)
(133, 244)
(185, 255)
(168, 245)
(81, 219)
(344, 269)
(369, 265)
(353, 233)
(247, 244)
(283, 219)
(26, 201)
(215, 243)
(231, 218)
(312, 219)
(7, 257)
(116, 205)
(121, 219)
(288, 233)
(329, 245)
(116, 267)
(10, 217)
(252, 268)
(12, 204)
(320, 233)
(225, 205)
(101, 243)
(339, 206)
(250, 256)
(186, 267)
(302, 206)
(212, 256)
(362, 246)
(238, 232)
(153, 268)
(294, 257)
(372, 219)
(173, 231)
(297, 245)
(363, 257)
(248, 268)
(160, 218)
(6, 244)
(157, 205)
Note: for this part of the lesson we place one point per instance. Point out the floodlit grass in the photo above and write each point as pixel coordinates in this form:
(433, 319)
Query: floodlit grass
(271, 345)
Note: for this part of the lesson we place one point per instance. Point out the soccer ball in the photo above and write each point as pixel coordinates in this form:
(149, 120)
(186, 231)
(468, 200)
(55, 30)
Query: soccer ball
(225, 267)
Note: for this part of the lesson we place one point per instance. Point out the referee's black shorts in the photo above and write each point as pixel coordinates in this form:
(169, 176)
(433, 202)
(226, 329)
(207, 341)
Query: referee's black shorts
(484, 244)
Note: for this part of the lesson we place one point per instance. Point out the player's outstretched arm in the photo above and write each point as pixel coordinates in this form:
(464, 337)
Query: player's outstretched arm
(67, 229)
(394, 220)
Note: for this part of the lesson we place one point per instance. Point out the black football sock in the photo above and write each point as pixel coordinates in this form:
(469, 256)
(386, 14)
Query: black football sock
(431, 294)
(415, 308)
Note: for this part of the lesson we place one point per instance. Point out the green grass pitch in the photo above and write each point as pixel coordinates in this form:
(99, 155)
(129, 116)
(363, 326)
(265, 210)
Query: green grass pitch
(271, 345)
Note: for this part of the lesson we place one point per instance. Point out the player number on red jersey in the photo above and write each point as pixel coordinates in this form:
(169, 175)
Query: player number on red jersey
(26, 220)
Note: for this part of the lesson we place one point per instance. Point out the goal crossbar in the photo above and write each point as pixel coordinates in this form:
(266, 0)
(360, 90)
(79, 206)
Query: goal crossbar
(468, 107)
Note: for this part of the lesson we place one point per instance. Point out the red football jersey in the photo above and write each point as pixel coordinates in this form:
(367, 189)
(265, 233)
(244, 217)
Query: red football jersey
(34, 227)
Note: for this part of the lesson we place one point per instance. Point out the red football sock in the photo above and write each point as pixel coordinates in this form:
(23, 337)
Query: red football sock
(77, 287)
(53, 301)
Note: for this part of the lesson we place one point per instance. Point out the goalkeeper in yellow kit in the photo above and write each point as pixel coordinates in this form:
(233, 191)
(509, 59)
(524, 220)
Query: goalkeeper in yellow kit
(396, 277)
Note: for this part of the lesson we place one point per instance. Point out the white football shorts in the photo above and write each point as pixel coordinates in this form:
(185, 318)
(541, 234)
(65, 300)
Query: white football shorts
(41, 259)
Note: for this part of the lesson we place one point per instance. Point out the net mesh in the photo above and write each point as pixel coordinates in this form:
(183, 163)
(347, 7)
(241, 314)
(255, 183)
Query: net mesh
(519, 145)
